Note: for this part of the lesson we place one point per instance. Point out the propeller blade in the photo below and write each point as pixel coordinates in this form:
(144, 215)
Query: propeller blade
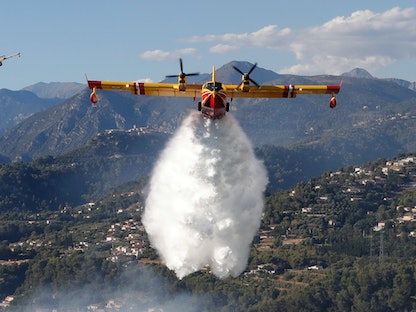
(181, 74)
(246, 76)
(255, 83)
(252, 68)
(238, 70)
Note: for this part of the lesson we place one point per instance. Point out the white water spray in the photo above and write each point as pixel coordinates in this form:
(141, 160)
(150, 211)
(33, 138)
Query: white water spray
(206, 198)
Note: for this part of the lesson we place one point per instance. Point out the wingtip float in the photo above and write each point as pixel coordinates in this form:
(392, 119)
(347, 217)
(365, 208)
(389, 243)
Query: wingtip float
(94, 96)
(213, 93)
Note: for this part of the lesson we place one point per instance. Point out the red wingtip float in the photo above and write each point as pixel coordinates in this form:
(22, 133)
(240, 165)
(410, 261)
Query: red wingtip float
(94, 96)
(333, 102)
(213, 93)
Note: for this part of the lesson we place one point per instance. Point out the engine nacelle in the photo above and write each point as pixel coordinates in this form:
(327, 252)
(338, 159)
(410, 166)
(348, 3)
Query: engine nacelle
(245, 85)
(182, 85)
(333, 102)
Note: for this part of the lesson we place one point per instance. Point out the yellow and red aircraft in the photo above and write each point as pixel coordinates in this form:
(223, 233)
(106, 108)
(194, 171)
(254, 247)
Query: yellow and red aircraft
(213, 93)
(4, 57)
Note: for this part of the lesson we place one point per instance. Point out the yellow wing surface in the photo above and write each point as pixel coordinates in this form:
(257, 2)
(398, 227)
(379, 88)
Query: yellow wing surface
(147, 88)
(280, 91)
(194, 90)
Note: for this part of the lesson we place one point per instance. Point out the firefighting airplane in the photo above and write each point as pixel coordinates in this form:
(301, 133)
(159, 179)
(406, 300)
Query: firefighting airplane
(213, 93)
(4, 57)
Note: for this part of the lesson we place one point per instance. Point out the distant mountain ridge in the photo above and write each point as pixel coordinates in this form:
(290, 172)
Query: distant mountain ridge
(373, 118)
(403, 83)
(362, 73)
(358, 73)
(55, 90)
(16, 106)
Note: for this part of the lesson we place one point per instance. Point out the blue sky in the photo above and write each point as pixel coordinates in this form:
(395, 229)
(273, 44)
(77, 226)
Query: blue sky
(60, 41)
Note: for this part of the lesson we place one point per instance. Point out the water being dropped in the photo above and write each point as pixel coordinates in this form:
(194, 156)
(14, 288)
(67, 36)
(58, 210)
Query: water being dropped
(205, 198)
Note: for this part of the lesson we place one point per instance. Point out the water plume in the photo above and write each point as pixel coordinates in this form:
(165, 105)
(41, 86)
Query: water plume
(205, 198)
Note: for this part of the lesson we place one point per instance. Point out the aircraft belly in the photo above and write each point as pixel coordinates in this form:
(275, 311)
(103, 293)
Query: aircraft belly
(213, 113)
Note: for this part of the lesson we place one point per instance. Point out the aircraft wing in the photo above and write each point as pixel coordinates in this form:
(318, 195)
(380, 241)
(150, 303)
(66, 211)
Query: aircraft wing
(4, 57)
(147, 88)
(280, 91)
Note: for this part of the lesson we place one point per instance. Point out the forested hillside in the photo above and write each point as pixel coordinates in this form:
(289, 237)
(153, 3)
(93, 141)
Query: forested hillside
(110, 159)
(115, 157)
(340, 241)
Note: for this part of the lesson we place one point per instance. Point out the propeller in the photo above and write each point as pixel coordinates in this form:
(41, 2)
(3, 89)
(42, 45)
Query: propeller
(246, 76)
(182, 75)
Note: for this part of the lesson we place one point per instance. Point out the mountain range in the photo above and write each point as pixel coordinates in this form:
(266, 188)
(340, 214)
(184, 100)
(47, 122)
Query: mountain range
(316, 248)
(16, 106)
(374, 117)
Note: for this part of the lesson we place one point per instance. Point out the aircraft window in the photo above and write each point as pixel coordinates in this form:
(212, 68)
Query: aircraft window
(214, 86)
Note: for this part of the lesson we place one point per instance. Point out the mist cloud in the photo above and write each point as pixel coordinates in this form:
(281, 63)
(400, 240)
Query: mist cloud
(206, 198)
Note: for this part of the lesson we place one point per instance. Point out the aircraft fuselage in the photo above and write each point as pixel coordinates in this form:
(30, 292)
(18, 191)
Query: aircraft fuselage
(213, 103)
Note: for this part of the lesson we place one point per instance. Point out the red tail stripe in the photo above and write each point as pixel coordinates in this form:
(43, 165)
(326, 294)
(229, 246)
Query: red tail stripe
(135, 88)
(141, 88)
(289, 91)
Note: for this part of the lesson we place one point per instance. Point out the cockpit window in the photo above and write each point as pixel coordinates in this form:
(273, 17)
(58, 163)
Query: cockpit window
(213, 86)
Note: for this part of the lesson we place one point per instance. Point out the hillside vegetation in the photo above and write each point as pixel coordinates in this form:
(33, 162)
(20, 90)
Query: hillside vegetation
(341, 240)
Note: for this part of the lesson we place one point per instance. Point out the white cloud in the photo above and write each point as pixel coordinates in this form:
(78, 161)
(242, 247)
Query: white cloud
(160, 55)
(364, 39)
(223, 48)
(266, 37)
(145, 80)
